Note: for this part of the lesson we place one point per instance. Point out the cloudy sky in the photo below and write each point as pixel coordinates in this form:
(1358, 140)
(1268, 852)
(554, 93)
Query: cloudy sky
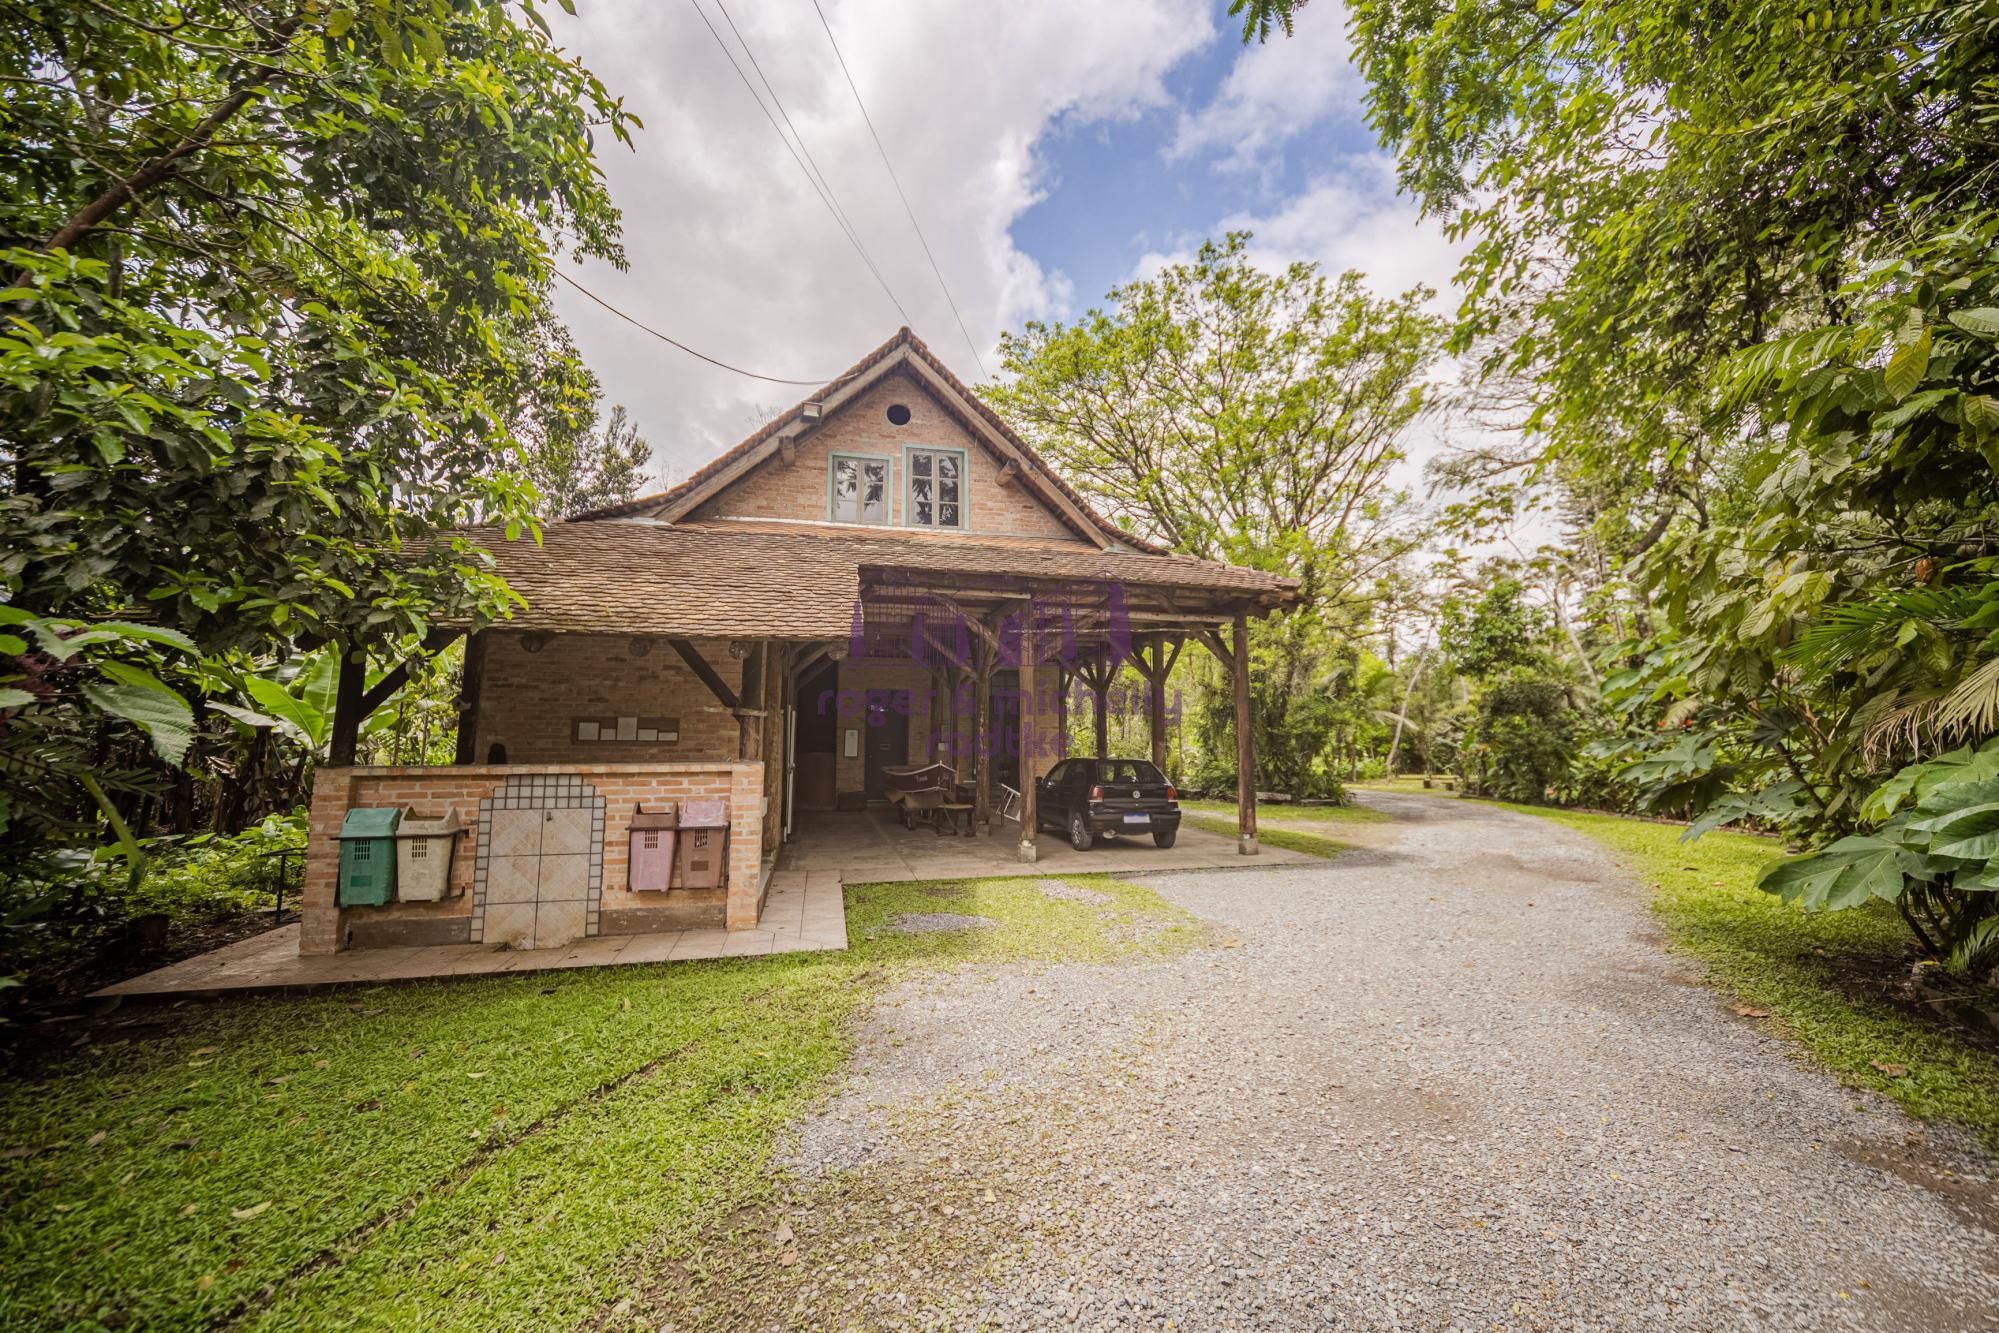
(1049, 150)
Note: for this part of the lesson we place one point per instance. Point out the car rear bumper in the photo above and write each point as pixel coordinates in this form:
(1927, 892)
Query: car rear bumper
(1113, 821)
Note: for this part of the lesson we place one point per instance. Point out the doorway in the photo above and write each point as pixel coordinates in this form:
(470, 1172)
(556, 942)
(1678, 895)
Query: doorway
(1003, 733)
(816, 742)
(884, 738)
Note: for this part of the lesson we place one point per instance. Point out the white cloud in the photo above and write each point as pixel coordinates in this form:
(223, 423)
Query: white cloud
(1350, 217)
(1274, 91)
(732, 252)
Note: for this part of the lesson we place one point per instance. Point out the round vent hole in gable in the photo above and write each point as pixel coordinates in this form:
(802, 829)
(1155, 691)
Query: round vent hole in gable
(898, 414)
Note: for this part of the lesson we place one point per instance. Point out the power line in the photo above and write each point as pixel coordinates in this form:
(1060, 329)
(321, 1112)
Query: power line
(911, 212)
(825, 182)
(824, 191)
(675, 342)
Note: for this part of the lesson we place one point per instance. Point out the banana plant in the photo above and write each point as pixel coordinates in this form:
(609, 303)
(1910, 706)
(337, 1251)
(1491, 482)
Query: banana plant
(299, 704)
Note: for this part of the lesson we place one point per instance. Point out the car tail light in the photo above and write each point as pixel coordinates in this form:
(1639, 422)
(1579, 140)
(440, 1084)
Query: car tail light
(1172, 792)
(1097, 793)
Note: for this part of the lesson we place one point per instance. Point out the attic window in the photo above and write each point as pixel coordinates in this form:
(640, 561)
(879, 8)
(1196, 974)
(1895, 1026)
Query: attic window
(936, 488)
(898, 414)
(859, 487)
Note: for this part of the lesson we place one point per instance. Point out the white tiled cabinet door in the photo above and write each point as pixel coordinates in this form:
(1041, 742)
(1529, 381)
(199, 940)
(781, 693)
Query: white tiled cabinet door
(560, 912)
(539, 871)
(512, 877)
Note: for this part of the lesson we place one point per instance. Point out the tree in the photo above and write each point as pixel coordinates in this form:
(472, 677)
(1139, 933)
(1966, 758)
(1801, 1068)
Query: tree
(575, 471)
(1232, 413)
(1749, 256)
(1242, 415)
(1499, 630)
(279, 274)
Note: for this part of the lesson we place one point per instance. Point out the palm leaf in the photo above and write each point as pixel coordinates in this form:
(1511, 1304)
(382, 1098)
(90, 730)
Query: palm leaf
(1972, 706)
(1855, 631)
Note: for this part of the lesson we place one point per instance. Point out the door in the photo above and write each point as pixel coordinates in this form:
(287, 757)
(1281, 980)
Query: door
(1051, 801)
(1003, 738)
(884, 738)
(538, 878)
(790, 768)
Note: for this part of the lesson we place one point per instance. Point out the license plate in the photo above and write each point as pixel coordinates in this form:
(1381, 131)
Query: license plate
(1138, 819)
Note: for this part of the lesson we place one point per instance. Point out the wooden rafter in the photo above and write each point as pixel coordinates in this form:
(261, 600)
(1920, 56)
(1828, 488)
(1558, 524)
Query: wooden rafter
(707, 674)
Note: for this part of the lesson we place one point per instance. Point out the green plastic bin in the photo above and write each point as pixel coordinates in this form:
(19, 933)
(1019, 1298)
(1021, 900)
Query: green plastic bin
(368, 855)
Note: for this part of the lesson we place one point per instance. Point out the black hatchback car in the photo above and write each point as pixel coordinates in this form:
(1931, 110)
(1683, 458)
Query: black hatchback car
(1088, 798)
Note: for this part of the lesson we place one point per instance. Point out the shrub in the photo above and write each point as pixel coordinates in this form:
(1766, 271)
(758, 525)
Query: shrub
(1522, 739)
(59, 907)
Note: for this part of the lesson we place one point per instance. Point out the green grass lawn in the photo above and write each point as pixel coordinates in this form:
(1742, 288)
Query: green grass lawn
(1779, 958)
(1407, 782)
(491, 1154)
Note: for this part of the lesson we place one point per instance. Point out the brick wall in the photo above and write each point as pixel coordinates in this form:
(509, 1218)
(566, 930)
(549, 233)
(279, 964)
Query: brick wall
(529, 701)
(799, 490)
(432, 791)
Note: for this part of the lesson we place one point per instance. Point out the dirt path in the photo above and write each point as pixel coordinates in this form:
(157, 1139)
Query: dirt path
(1448, 1080)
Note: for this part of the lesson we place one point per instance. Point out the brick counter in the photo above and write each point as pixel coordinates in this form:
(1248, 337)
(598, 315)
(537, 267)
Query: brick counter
(430, 792)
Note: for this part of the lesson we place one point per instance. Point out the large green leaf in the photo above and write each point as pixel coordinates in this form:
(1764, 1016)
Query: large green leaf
(276, 702)
(159, 712)
(1918, 781)
(1907, 366)
(1984, 320)
(316, 688)
(249, 717)
(1846, 874)
(1959, 821)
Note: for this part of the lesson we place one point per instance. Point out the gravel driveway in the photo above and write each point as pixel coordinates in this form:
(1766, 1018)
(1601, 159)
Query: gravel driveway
(1450, 1080)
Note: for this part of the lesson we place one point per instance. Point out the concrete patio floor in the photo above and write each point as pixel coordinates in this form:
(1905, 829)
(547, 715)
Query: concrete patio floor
(872, 846)
(803, 912)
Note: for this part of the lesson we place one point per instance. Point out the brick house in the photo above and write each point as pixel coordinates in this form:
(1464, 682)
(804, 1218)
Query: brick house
(884, 575)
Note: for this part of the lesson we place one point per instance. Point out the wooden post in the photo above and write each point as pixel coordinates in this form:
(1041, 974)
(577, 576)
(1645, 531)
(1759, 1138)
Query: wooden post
(954, 749)
(1100, 684)
(470, 677)
(1029, 747)
(1061, 746)
(1245, 742)
(1155, 708)
(1156, 668)
(982, 740)
(350, 681)
(749, 714)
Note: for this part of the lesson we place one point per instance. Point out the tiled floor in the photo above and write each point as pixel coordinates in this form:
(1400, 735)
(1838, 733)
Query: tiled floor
(803, 912)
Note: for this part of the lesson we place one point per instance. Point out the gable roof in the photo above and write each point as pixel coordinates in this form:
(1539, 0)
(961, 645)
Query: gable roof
(768, 578)
(905, 351)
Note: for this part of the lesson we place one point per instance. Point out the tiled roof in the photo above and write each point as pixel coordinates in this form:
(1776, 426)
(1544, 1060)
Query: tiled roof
(791, 581)
(903, 338)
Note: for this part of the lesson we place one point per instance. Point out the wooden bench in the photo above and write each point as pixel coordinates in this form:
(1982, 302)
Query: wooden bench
(953, 815)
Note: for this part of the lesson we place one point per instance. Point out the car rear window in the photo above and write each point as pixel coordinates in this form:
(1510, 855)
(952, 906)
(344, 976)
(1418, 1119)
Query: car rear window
(1125, 772)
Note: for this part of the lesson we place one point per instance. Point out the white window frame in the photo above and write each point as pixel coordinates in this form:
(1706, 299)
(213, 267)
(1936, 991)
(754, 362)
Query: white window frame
(888, 489)
(909, 451)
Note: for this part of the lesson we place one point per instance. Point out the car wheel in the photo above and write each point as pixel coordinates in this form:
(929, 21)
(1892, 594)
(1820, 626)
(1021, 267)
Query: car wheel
(1164, 837)
(1080, 836)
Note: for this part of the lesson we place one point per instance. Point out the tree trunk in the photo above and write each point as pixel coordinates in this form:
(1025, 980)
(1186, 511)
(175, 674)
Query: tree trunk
(1409, 694)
